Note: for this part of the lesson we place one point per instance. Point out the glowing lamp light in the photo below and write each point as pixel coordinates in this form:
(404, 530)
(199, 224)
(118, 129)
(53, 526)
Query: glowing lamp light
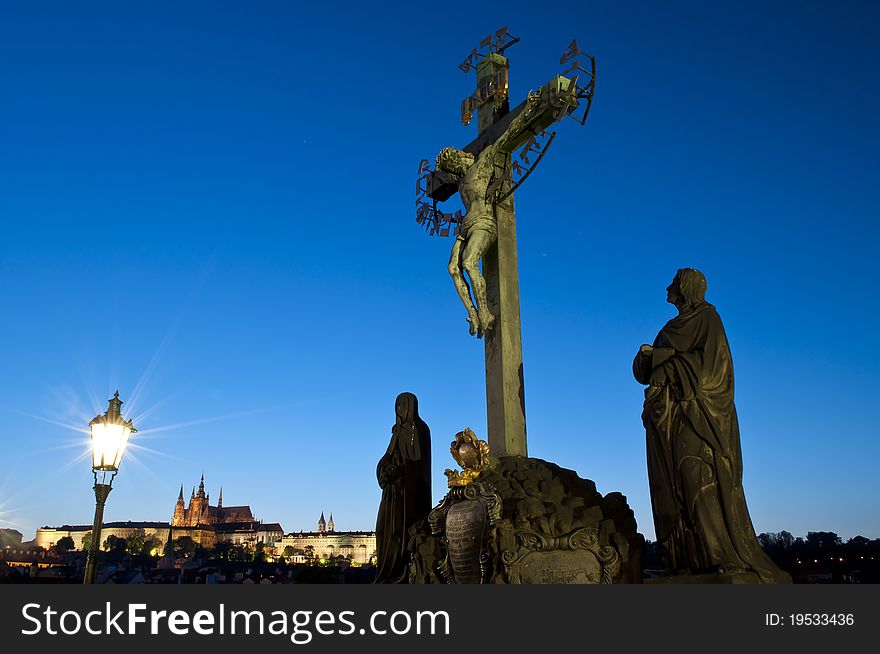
(109, 435)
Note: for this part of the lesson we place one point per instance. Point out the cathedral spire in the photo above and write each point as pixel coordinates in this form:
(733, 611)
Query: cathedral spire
(179, 511)
(330, 525)
(201, 493)
(220, 499)
(322, 524)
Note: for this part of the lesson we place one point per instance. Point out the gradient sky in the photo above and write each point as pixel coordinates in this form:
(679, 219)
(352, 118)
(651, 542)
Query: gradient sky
(209, 206)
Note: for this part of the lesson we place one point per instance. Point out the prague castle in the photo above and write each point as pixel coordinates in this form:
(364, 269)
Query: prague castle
(208, 525)
(201, 513)
(205, 524)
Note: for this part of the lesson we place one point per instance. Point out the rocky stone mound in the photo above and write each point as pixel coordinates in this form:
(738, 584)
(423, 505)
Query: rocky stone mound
(552, 527)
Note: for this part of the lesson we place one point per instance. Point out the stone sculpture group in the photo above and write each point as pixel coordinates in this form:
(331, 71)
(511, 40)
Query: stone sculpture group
(508, 518)
(524, 520)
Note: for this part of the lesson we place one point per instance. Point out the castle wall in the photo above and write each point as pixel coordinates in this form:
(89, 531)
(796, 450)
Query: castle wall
(48, 536)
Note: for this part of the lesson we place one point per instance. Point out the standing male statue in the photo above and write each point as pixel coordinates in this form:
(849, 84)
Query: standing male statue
(694, 456)
(479, 228)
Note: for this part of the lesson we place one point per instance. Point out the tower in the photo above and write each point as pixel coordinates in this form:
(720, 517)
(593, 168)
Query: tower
(220, 499)
(330, 526)
(198, 505)
(179, 511)
(322, 524)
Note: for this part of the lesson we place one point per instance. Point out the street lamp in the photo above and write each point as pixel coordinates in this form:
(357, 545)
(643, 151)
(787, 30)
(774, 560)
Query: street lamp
(109, 435)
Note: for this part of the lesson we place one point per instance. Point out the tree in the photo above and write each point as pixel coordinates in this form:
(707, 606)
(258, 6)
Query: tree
(288, 551)
(64, 545)
(151, 544)
(115, 548)
(223, 550)
(309, 554)
(823, 540)
(785, 539)
(859, 542)
(87, 541)
(260, 553)
(184, 546)
(134, 544)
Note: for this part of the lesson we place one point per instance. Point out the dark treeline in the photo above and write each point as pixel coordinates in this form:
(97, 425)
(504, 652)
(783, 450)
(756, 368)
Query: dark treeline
(822, 556)
(818, 557)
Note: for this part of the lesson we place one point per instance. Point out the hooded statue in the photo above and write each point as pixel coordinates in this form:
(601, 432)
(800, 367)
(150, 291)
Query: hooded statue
(404, 475)
(694, 457)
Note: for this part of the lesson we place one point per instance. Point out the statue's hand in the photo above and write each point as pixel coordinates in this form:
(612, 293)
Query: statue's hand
(533, 101)
(659, 377)
(646, 349)
(385, 474)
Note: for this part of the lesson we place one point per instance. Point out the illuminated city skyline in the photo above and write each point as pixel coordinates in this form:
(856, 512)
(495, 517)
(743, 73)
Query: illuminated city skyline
(212, 212)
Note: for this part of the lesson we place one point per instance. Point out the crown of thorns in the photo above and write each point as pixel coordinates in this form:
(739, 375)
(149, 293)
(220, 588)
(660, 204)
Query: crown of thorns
(450, 154)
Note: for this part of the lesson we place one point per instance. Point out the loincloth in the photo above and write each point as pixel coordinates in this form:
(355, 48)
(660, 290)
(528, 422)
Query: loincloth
(482, 221)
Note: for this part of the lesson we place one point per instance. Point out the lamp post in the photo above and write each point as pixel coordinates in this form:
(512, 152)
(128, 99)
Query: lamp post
(109, 435)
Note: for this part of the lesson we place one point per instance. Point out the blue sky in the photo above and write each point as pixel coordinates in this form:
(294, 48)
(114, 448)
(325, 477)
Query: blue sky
(209, 206)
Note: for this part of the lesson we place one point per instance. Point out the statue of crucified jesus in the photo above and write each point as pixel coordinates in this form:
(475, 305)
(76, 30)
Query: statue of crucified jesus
(479, 228)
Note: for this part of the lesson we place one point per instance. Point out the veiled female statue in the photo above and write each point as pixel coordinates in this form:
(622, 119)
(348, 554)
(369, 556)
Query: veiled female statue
(694, 456)
(404, 475)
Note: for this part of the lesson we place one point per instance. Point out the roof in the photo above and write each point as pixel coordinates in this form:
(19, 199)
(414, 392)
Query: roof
(252, 525)
(326, 534)
(272, 526)
(114, 525)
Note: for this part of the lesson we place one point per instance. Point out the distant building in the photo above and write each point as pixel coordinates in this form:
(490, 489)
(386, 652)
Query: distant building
(326, 542)
(205, 524)
(234, 524)
(201, 513)
(249, 533)
(26, 555)
(10, 538)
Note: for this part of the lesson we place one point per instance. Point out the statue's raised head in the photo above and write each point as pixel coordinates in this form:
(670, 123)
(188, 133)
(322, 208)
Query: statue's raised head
(454, 161)
(688, 288)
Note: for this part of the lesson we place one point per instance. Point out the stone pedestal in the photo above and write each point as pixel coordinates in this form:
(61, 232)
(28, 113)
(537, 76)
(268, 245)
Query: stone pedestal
(543, 525)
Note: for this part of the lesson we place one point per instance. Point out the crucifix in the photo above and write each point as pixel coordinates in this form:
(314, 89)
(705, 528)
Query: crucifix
(484, 173)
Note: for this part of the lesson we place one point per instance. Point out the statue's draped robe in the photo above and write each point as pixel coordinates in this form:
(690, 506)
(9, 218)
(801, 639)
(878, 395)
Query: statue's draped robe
(693, 446)
(406, 493)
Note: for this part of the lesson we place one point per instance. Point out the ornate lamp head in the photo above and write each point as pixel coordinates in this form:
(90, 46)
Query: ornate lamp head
(109, 436)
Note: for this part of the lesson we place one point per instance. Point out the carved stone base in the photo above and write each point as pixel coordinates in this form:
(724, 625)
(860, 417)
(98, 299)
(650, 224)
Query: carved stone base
(553, 527)
(739, 578)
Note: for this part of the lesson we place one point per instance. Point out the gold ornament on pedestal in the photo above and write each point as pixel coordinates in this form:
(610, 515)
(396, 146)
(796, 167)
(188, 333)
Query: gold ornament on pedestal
(471, 453)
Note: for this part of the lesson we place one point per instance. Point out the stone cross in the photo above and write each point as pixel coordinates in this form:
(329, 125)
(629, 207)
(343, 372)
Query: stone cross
(505, 393)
